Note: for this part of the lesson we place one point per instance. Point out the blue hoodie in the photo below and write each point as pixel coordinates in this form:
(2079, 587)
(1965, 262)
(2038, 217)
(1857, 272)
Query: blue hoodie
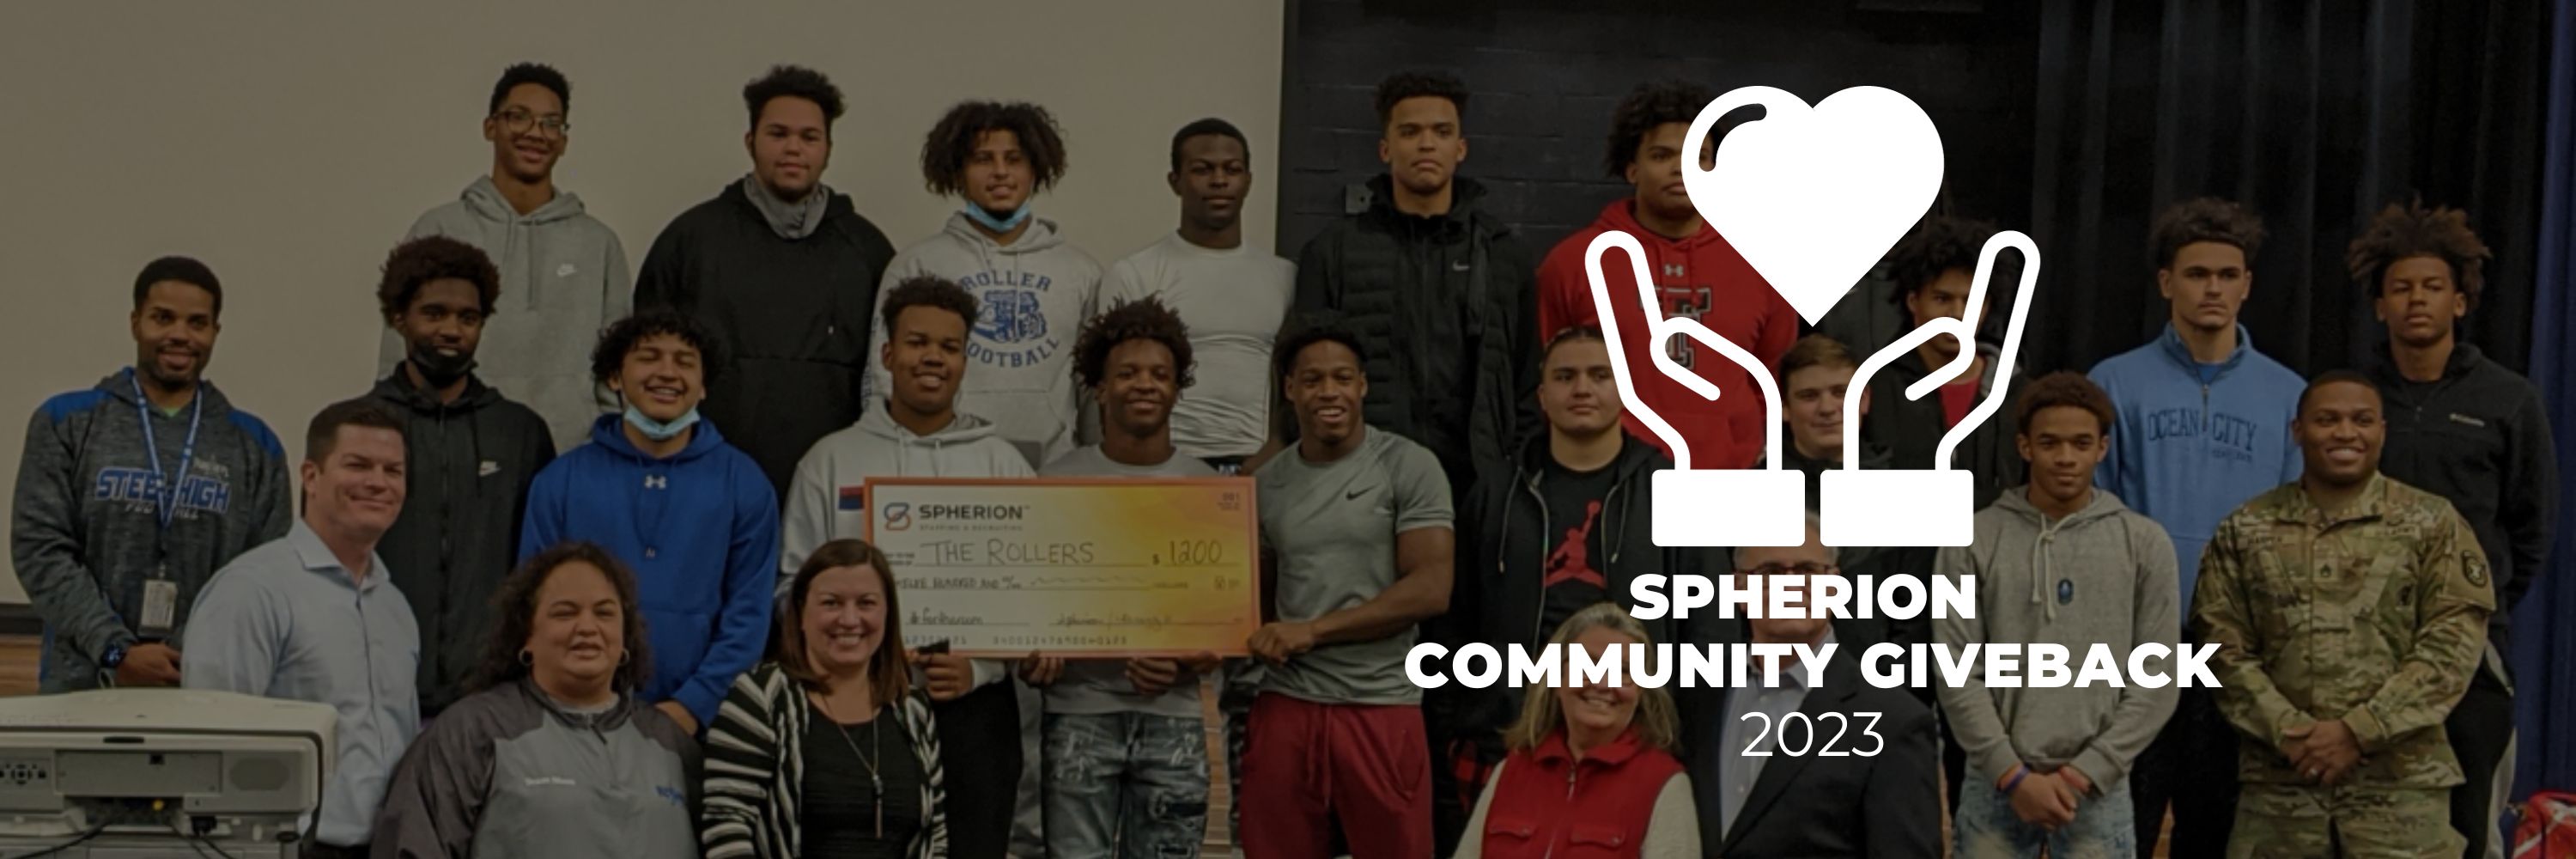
(700, 530)
(2187, 452)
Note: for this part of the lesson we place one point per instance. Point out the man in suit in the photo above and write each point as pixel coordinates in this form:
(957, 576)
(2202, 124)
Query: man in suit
(1885, 805)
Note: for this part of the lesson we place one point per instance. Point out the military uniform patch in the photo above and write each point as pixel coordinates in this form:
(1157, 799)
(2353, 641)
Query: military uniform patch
(2474, 566)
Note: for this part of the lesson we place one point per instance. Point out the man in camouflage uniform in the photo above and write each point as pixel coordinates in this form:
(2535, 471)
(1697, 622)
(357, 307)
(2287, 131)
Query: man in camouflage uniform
(2349, 610)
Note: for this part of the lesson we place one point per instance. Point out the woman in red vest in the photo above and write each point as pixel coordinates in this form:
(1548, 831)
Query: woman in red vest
(1591, 767)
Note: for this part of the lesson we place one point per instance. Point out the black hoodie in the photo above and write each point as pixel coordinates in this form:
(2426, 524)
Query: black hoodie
(794, 315)
(469, 465)
(2479, 437)
(1444, 307)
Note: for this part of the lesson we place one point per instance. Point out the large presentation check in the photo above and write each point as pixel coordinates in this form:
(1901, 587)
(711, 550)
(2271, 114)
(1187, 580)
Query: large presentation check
(1072, 566)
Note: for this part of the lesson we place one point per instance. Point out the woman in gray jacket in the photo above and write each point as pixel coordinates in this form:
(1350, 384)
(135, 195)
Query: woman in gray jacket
(551, 756)
(826, 751)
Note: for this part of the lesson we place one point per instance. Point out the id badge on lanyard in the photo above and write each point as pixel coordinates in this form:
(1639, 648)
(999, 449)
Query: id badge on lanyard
(161, 592)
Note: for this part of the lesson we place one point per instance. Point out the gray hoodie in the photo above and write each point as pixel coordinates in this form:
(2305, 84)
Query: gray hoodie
(826, 501)
(1035, 294)
(2104, 575)
(563, 279)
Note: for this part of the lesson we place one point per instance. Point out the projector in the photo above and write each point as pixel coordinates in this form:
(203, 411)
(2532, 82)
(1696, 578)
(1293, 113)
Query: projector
(134, 773)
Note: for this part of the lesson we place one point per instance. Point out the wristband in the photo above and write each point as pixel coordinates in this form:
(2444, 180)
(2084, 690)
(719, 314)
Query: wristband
(114, 658)
(2019, 773)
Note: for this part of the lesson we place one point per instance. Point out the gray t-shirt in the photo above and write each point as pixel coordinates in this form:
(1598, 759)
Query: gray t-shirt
(1333, 526)
(1234, 301)
(1097, 686)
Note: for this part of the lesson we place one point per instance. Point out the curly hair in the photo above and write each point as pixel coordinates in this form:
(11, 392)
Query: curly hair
(1403, 85)
(2206, 219)
(952, 143)
(928, 290)
(1283, 357)
(2415, 230)
(1141, 319)
(797, 82)
(514, 615)
(1941, 244)
(419, 261)
(620, 338)
(530, 73)
(2062, 389)
(1647, 107)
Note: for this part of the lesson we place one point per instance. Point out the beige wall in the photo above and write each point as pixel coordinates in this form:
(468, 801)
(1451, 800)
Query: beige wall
(289, 144)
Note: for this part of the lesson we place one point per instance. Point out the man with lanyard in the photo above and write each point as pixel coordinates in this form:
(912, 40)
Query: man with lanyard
(131, 493)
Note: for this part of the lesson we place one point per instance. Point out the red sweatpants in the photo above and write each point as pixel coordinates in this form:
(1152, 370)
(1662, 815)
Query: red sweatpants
(1308, 765)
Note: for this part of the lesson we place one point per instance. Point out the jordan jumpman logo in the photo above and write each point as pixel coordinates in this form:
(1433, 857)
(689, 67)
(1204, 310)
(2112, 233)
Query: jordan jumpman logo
(1572, 559)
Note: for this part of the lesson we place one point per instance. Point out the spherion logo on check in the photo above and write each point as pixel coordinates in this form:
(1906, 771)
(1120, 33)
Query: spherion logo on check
(898, 516)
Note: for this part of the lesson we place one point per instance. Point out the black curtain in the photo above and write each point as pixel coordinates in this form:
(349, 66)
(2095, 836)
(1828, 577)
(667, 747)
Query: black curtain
(2316, 114)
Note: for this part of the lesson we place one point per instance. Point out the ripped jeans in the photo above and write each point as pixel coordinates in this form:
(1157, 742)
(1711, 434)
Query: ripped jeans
(1125, 786)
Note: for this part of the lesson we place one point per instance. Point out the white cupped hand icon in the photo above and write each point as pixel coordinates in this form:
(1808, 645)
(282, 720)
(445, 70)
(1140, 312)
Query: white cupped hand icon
(1708, 507)
(1927, 506)
(1812, 197)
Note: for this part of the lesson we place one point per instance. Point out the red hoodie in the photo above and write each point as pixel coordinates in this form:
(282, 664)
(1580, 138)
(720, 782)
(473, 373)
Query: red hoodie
(1701, 277)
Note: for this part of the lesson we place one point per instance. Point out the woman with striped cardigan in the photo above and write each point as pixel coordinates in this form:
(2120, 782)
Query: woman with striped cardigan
(825, 752)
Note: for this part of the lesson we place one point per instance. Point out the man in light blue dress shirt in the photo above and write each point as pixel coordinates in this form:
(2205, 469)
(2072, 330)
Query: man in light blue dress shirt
(316, 617)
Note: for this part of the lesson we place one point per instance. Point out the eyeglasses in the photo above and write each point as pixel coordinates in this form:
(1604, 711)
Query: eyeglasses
(516, 121)
(1802, 568)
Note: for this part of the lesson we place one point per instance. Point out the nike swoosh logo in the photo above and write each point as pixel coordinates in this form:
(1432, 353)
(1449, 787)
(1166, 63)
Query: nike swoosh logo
(1354, 494)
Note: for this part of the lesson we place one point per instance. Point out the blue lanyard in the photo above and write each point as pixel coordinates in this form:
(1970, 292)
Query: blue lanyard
(165, 496)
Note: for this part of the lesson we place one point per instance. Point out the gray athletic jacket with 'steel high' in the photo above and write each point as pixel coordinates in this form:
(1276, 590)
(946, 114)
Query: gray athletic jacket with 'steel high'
(85, 529)
(506, 772)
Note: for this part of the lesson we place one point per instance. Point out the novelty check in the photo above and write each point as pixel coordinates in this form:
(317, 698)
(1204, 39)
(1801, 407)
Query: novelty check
(1072, 566)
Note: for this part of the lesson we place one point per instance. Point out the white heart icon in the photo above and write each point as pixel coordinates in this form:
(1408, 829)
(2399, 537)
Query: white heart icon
(1813, 197)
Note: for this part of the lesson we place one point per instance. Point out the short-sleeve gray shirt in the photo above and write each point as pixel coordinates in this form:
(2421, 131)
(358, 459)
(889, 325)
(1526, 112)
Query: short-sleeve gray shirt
(1096, 686)
(1332, 526)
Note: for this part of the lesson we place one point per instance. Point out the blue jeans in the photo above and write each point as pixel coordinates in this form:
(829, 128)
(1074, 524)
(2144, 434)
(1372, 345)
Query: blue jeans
(1125, 786)
(1987, 828)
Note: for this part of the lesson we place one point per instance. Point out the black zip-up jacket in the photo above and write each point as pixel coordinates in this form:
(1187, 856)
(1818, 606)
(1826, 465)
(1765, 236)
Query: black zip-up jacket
(795, 317)
(2480, 438)
(1503, 541)
(469, 464)
(1445, 307)
(1911, 430)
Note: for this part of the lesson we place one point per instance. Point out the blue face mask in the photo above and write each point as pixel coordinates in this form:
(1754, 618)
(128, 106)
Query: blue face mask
(999, 225)
(657, 430)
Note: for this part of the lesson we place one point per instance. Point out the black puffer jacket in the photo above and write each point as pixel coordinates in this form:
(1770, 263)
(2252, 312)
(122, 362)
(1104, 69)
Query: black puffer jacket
(469, 465)
(1444, 307)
